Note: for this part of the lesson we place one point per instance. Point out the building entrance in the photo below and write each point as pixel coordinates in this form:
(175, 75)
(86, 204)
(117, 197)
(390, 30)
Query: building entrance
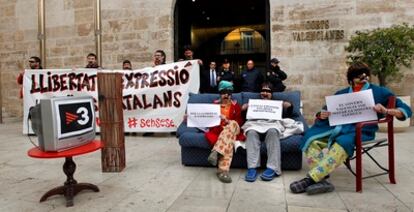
(224, 29)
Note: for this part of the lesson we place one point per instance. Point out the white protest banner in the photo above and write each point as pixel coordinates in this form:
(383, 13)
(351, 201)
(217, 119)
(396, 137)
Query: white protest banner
(351, 107)
(154, 98)
(264, 109)
(203, 115)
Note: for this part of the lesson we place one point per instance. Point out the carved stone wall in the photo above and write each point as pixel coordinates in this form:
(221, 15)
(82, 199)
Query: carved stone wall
(308, 37)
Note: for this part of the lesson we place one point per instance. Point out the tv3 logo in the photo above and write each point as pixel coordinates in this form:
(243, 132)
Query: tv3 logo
(81, 116)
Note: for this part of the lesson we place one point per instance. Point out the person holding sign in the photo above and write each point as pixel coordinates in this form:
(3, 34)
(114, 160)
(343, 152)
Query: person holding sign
(270, 130)
(223, 136)
(340, 139)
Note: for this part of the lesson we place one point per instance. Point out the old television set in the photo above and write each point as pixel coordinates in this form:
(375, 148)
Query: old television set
(63, 122)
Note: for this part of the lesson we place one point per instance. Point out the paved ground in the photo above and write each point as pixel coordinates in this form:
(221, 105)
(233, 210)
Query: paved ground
(155, 180)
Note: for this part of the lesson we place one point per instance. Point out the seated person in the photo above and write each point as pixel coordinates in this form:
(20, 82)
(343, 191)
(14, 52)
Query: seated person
(222, 137)
(341, 139)
(271, 131)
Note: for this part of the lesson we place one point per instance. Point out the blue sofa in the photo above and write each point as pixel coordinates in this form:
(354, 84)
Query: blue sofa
(195, 148)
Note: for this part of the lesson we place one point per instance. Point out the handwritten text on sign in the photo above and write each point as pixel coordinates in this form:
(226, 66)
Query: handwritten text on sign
(264, 109)
(154, 98)
(351, 108)
(203, 115)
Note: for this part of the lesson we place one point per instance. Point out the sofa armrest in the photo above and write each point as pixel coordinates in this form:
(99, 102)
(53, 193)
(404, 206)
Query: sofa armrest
(183, 129)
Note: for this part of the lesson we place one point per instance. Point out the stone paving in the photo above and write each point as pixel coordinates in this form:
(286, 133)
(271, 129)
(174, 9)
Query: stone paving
(155, 180)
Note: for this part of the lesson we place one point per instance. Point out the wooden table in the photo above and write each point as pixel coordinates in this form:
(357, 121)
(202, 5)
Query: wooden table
(71, 187)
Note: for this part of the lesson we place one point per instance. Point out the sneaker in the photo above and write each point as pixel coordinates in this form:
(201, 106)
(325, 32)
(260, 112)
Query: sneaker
(322, 186)
(268, 175)
(224, 177)
(251, 175)
(301, 185)
(212, 158)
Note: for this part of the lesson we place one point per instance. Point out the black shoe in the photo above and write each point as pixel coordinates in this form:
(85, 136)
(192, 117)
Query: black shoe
(213, 157)
(301, 185)
(322, 186)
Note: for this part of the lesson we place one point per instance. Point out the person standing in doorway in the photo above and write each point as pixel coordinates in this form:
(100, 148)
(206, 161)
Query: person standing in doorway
(209, 79)
(276, 76)
(251, 78)
(225, 73)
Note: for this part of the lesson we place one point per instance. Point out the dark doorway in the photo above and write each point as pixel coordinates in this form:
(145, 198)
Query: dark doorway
(218, 29)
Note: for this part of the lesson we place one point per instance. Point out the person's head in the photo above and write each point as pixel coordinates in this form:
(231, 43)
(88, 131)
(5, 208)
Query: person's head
(225, 89)
(35, 62)
(126, 65)
(226, 64)
(212, 65)
(266, 90)
(250, 64)
(159, 57)
(358, 73)
(274, 62)
(188, 53)
(92, 61)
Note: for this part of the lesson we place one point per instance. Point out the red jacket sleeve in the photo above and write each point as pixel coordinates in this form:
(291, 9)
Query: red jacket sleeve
(20, 79)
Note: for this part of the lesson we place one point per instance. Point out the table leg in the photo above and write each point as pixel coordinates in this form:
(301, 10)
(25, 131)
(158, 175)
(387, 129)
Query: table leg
(71, 187)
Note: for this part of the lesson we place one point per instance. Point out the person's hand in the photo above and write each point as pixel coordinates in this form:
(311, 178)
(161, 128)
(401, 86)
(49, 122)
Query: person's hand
(245, 106)
(200, 62)
(286, 104)
(224, 119)
(324, 114)
(185, 118)
(379, 108)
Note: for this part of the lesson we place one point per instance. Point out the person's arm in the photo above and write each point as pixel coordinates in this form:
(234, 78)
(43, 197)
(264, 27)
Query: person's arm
(287, 110)
(20, 78)
(397, 112)
(281, 74)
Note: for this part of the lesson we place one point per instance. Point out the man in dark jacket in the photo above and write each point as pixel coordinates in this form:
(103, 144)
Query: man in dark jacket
(275, 75)
(209, 79)
(226, 73)
(251, 78)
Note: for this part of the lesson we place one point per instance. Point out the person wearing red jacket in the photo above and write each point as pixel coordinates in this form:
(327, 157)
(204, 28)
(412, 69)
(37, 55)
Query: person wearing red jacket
(222, 137)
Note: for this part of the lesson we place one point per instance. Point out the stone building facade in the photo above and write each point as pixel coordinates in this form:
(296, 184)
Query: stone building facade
(307, 36)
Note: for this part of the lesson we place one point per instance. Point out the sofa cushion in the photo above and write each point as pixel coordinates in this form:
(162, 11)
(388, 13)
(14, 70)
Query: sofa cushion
(194, 139)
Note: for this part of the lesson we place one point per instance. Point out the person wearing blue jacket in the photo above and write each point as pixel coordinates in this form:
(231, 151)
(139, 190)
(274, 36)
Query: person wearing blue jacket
(340, 140)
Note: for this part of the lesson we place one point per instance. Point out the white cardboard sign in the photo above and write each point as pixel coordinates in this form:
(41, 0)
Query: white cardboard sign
(351, 108)
(203, 115)
(264, 109)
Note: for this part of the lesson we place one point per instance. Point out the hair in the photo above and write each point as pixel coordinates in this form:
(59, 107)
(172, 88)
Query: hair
(37, 59)
(126, 61)
(92, 55)
(356, 69)
(267, 84)
(187, 48)
(163, 55)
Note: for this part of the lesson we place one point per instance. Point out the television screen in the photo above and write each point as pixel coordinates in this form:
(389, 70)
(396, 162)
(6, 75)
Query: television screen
(74, 117)
(63, 122)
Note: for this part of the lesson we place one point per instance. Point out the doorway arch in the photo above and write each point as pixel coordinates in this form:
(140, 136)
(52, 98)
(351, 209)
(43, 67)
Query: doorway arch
(203, 24)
